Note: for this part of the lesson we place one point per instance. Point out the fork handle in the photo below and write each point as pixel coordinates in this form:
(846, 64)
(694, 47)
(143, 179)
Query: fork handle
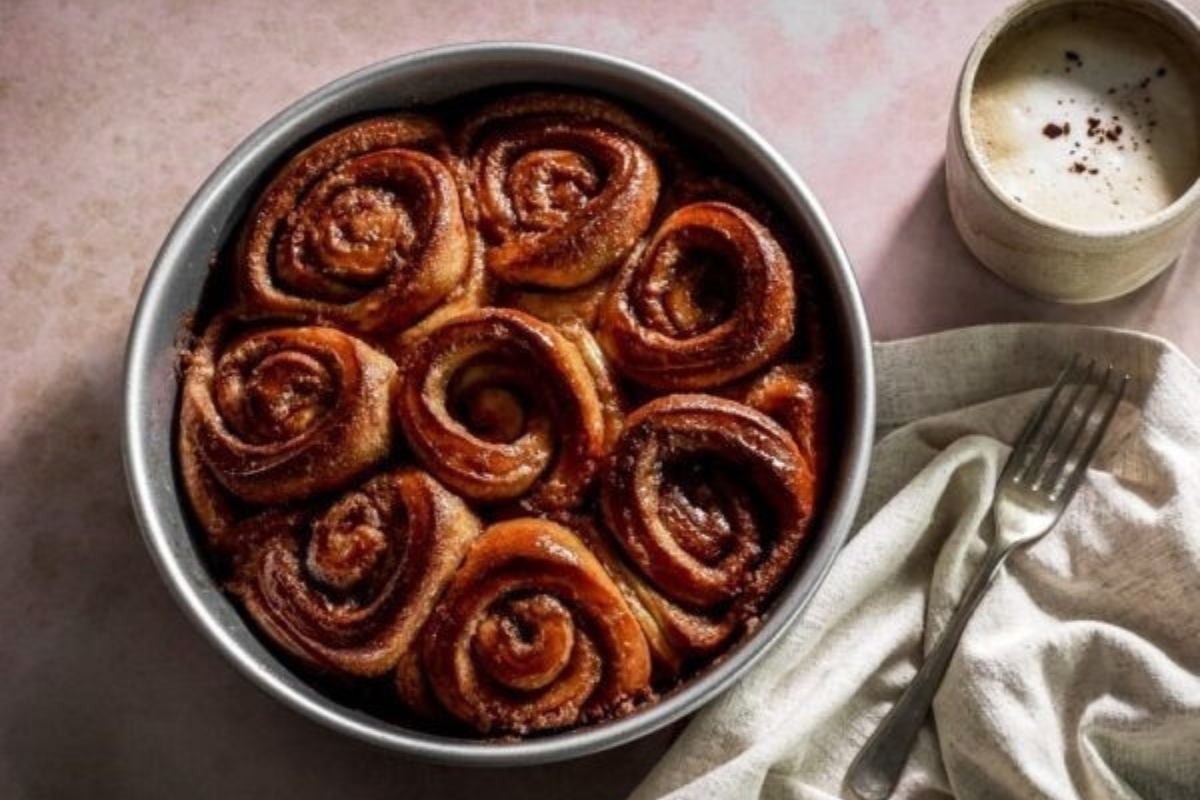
(878, 765)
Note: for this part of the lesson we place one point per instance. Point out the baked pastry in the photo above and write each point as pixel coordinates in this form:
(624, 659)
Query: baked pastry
(364, 229)
(786, 393)
(709, 502)
(515, 417)
(709, 300)
(500, 406)
(531, 635)
(346, 589)
(272, 415)
(566, 186)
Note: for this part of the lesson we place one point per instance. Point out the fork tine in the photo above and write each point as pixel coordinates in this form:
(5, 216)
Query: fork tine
(1019, 450)
(1034, 467)
(1061, 455)
(1093, 444)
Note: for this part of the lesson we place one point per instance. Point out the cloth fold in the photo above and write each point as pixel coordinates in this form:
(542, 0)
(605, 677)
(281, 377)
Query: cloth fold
(1079, 673)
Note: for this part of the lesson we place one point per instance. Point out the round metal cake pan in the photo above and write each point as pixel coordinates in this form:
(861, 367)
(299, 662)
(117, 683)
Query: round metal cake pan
(173, 289)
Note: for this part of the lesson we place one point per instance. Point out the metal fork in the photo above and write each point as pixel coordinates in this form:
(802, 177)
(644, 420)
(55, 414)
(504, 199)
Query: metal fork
(1039, 479)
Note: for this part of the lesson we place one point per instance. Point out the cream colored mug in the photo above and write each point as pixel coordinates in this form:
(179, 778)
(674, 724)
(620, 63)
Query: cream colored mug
(1089, 214)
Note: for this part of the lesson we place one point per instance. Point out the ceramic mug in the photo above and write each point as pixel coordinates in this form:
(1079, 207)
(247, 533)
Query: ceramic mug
(1042, 256)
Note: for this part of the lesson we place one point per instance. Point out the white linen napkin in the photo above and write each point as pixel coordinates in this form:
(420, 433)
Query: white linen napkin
(1079, 674)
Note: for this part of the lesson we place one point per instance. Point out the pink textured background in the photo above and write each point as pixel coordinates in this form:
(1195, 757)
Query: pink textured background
(111, 114)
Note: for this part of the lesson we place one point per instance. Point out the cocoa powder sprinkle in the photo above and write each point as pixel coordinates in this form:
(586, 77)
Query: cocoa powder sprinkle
(1099, 131)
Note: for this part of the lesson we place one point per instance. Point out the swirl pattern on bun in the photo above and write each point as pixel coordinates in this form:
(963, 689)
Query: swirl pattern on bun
(707, 502)
(364, 229)
(500, 406)
(566, 186)
(532, 635)
(347, 590)
(710, 299)
(271, 415)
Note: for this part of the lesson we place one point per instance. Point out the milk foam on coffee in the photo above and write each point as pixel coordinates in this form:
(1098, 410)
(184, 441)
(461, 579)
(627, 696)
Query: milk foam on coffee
(1089, 117)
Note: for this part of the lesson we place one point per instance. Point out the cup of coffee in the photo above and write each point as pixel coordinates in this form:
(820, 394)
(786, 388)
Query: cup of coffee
(1073, 160)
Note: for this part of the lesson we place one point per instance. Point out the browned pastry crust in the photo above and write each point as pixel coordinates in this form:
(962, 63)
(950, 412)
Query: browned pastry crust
(476, 290)
(531, 635)
(608, 392)
(566, 186)
(705, 499)
(500, 406)
(710, 299)
(787, 394)
(214, 508)
(364, 229)
(348, 589)
(272, 415)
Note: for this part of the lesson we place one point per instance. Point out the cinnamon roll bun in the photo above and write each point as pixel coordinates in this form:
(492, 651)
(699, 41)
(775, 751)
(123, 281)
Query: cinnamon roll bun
(710, 299)
(566, 186)
(500, 406)
(364, 229)
(347, 590)
(531, 635)
(705, 501)
(272, 415)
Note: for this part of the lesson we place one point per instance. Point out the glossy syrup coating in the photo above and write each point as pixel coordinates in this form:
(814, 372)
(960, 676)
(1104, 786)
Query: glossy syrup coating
(532, 634)
(500, 406)
(708, 503)
(710, 299)
(276, 414)
(347, 588)
(364, 229)
(566, 187)
(516, 418)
